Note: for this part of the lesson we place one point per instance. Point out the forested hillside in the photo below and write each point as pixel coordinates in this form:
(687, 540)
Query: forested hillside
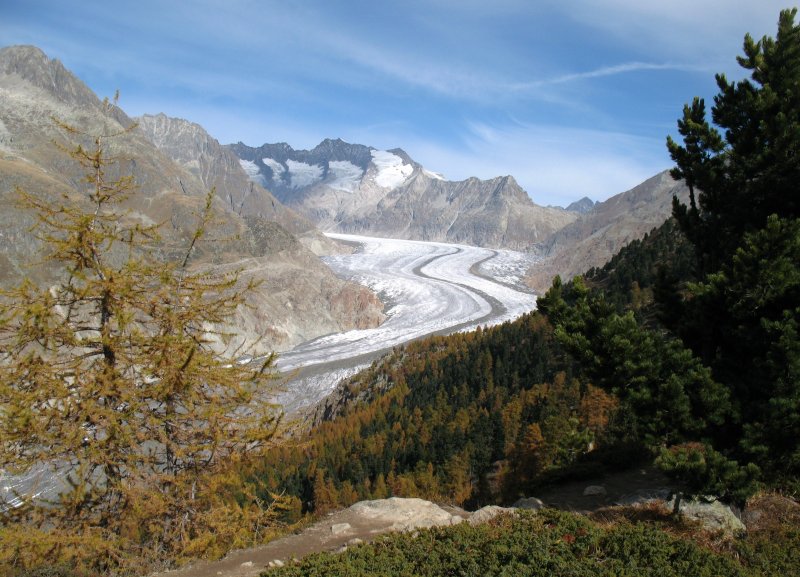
(465, 418)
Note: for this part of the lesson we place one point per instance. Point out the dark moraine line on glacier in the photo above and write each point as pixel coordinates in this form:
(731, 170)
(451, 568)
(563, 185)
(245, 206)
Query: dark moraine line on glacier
(497, 307)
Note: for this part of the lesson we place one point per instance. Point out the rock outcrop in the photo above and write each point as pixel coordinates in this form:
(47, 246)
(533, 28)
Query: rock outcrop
(531, 503)
(350, 527)
(712, 515)
(402, 514)
(489, 512)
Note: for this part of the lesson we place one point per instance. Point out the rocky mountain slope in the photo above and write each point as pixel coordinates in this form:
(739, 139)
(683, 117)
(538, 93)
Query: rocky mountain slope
(299, 297)
(592, 239)
(188, 144)
(356, 189)
(582, 206)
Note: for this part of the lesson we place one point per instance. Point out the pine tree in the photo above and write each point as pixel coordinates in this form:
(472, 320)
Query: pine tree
(749, 170)
(755, 301)
(110, 379)
(741, 317)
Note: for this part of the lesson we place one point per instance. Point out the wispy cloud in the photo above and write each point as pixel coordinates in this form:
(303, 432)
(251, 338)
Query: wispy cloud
(624, 68)
(706, 32)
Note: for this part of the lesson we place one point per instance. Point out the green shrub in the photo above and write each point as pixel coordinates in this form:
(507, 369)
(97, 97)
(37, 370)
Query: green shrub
(549, 543)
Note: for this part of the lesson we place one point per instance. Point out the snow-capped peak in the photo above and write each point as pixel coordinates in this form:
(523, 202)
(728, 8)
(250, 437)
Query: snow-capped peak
(392, 171)
(433, 175)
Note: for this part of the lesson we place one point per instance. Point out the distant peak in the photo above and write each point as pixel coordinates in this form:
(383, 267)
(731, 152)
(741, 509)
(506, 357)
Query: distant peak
(402, 154)
(337, 144)
(160, 116)
(502, 182)
(29, 62)
(163, 118)
(33, 66)
(582, 206)
(22, 51)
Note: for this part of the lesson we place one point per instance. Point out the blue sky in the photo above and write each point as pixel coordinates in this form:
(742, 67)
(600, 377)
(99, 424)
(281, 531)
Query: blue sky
(571, 97)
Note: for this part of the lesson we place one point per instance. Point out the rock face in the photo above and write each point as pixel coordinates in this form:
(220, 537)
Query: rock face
(299, 297)
(34, 90)
(217, 167)
(356, 189)
(592, 239)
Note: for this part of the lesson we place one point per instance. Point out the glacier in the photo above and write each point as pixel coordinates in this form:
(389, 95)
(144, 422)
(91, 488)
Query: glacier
(304, 174)
(277, 168)
(427, 288)
(345, 175)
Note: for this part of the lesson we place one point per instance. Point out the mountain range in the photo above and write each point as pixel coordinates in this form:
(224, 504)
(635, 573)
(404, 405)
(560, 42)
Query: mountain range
(357, 189)
(274, 200)
(600, 232)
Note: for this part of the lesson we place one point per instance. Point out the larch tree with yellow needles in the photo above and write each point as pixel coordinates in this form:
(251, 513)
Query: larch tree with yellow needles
(110, 380)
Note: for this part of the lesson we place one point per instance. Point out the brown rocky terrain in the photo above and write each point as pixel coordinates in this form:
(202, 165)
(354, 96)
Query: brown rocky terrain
(494, 213)
(299, 297)
(189, 145)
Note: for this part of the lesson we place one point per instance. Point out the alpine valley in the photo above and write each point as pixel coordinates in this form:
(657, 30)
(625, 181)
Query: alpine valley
(411, 366)
(273, 201)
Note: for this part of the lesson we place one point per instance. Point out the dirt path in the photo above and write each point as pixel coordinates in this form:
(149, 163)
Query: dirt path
(338, 530)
